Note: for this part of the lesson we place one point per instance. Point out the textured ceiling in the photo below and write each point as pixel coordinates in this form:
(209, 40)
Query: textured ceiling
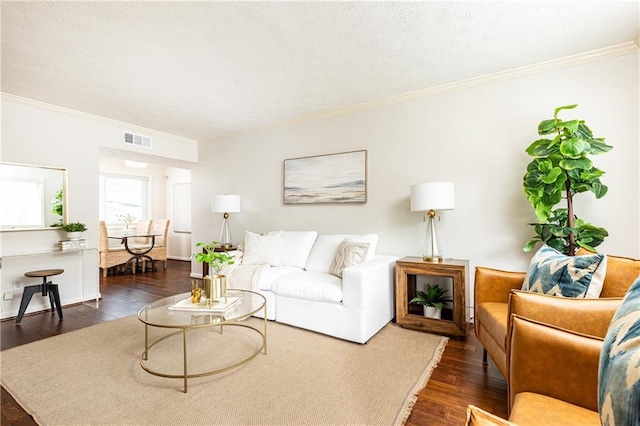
(203, 69)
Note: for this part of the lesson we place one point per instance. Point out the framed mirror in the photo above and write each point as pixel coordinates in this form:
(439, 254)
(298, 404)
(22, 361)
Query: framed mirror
(33, 197)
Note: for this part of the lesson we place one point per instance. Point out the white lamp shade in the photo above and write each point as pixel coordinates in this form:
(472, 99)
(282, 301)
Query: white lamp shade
(225, 203)
(432, 196)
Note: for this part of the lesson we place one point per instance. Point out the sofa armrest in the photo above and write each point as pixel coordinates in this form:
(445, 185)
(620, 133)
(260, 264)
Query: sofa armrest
(586, 316)
(493, 285)
(554, 362)
(369, 283)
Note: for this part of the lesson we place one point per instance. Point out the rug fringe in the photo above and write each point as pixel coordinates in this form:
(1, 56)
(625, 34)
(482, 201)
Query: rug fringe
(412, 398)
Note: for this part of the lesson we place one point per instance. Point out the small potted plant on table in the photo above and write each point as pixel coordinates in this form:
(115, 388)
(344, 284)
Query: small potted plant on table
(432, 300)
(74, 230)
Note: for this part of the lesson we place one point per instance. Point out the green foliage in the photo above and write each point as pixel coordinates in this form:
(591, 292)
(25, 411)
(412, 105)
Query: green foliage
(217, 260)
(434, 296)
(555, 233)
(56, 207)
(74, 227)
(561, 168)
(56, 203)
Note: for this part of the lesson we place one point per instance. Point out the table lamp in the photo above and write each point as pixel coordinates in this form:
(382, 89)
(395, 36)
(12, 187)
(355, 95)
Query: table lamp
(225, 203)
(430, 197)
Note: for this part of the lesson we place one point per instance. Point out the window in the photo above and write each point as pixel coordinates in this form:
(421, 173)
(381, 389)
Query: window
(121, 195)
(22, 203)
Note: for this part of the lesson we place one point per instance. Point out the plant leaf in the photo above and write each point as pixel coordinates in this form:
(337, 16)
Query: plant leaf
(557, 110)
(576, 163)
(572, 125)
(572, 147)
(547, 126)
(597, 146)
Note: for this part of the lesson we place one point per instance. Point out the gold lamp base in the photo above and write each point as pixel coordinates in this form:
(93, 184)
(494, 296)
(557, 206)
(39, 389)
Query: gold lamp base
(432, 259)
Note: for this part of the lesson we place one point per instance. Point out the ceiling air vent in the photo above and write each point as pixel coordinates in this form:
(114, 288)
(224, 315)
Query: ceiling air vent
(137, 140)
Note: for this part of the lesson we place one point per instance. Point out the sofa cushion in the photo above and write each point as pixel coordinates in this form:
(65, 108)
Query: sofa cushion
(619, 369)
(493, 316)
(349, 253)
(326, 246)
(296, 246)
(262, 249)
(535, 409)
(269, 274)
(323, 252)
(316, 286)
(554, 273)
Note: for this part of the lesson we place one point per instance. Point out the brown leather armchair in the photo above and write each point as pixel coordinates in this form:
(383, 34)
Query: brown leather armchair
(492, 293)
(553, 353)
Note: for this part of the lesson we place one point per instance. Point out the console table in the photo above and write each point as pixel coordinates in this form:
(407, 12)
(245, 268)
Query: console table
(86, 291)
(453, 322)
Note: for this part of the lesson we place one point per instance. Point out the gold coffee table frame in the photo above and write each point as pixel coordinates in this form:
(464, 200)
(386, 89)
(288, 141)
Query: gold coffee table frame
(158, 314)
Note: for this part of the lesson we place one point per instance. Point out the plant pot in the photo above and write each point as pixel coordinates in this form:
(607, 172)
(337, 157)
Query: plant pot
(215, 287)
(74, 235)
(432, 312)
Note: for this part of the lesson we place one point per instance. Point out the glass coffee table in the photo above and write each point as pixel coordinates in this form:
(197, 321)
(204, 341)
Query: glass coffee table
(158, 314)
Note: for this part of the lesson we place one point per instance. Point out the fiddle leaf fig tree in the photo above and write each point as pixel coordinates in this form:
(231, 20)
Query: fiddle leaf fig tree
(562, 168)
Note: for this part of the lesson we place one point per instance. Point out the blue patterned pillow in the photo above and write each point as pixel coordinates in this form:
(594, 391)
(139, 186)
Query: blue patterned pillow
(619, 370)
(554, 273)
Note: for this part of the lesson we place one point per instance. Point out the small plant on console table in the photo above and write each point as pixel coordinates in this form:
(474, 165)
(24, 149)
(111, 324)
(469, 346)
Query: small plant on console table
(432, 300)
(74, 229)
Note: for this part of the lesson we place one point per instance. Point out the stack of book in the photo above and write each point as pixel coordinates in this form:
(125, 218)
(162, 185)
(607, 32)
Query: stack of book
(73, 244)
(217, 306)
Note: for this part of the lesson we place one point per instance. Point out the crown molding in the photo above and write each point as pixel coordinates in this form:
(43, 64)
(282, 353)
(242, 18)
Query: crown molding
(124, 125)
(605, 53)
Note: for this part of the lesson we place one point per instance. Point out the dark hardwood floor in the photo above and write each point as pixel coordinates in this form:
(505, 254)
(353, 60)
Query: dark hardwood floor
(458, 380)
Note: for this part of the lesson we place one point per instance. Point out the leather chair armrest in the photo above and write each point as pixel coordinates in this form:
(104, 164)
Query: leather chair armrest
(493, 285)
(479, 417)
(554, 362)
(586, 316)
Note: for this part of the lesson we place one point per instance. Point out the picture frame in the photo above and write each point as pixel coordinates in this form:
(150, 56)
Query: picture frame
(326, 179)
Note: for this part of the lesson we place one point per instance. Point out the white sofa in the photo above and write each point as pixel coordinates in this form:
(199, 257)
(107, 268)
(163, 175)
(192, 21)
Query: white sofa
(294, 276)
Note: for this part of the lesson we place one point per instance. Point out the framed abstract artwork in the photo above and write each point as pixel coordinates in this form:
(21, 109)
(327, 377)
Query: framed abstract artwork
(331, 178)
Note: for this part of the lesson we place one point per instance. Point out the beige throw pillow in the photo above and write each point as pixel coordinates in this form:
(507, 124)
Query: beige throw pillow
(349, 253)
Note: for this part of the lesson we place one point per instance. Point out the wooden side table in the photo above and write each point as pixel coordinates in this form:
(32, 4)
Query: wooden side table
(453, 322)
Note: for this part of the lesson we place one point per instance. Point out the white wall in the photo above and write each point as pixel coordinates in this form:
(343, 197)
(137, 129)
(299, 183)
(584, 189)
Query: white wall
(35, 133)
(474, 137)
(179, 244)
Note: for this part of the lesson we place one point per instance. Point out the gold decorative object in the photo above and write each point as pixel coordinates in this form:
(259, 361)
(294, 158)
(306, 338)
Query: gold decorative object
(196, 292)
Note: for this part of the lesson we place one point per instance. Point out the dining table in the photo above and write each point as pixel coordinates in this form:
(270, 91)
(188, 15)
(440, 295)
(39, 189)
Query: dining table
(139, 252)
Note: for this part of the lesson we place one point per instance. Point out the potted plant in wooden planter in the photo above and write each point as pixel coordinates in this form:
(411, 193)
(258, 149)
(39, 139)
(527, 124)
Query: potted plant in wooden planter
(215, 286)
(432, 300)
(74, 230)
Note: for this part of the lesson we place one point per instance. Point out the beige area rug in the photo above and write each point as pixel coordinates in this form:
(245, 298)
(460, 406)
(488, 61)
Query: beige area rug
(93, 376)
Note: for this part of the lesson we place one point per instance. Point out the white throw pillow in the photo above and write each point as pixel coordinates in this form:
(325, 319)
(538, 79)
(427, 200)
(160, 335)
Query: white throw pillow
(296, 246)
(262, 249)
(323, 252)
(349, 253)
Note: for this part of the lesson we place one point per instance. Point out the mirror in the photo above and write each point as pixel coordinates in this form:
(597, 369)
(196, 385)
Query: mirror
(33, 197)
